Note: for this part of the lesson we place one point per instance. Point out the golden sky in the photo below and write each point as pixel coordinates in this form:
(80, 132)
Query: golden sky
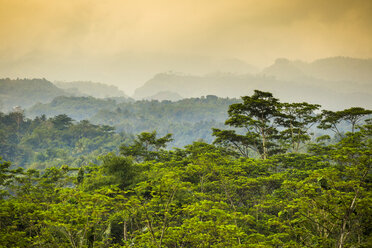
(124, 42)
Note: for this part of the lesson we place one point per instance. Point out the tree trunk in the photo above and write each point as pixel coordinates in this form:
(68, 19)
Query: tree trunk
(125, 231)
(264, 156)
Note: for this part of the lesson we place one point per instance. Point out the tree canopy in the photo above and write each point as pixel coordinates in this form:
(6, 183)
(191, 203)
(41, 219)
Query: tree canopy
(202, 195)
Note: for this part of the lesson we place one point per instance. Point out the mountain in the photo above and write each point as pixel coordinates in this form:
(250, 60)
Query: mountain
(87, 88)
(194, 86)
(27, 92)
(340, 69)
(284, 69)
(342, 74)
(165, 95)
(334, 83)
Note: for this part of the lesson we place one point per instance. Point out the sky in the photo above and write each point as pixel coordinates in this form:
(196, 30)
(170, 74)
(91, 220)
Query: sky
(126, 42)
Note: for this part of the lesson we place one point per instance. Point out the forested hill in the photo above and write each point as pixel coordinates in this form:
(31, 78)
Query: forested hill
(26, 92)
(87, 88)
(331, 69)
(188, 119)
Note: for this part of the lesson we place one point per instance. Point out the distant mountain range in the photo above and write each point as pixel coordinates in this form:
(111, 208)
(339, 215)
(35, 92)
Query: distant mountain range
(335, 83)
(347, 74)
(27, 92)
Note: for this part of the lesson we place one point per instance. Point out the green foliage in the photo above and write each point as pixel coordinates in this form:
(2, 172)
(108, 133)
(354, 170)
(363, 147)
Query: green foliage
(200, 196)
(62, 122)
(188, 119)
(43, 142)
(268, 126)
(256, 116)
(297, 119)
(331, 120)
(79, 108)
(146, 146)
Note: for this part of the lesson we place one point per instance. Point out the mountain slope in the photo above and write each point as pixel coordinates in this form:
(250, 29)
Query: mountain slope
(165, 95)
(27, 92)
(334, 83)
(339, 73)
(86, 88)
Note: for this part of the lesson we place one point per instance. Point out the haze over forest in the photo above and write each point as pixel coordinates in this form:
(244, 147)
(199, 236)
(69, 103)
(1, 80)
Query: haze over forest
(188, 123)
(127, 43)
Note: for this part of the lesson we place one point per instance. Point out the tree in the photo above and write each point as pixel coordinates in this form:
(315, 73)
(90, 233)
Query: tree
(331, 119)
(354, 115)
(121, 170)
(62, 121)
(7, 177)
(297, 119)
(256, 115)
(146, 146)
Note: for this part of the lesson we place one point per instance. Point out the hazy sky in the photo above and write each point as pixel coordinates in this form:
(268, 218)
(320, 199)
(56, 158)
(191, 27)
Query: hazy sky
(125, 42)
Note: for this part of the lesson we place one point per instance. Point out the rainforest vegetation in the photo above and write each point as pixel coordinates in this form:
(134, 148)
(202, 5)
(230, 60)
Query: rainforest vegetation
(266, 181)
(187, 119)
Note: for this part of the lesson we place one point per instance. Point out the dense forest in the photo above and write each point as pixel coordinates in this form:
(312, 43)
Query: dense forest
(188, 119)
(266, 181)
(185, 124)
(95, 126)
(45, 142)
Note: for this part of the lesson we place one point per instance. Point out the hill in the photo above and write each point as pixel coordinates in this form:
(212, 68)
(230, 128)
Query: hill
(27, 92)
(87, 88)
(331, 95)
(338, 73)
(165, 95)
(335, 83)
(340, 69)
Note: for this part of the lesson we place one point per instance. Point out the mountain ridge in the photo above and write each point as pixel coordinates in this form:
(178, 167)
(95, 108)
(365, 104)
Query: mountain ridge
(290, 80)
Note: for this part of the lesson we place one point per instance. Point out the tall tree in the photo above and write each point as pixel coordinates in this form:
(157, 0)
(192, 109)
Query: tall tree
(353, 116)
(256, 115)
(297, 119)
(62, 121)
